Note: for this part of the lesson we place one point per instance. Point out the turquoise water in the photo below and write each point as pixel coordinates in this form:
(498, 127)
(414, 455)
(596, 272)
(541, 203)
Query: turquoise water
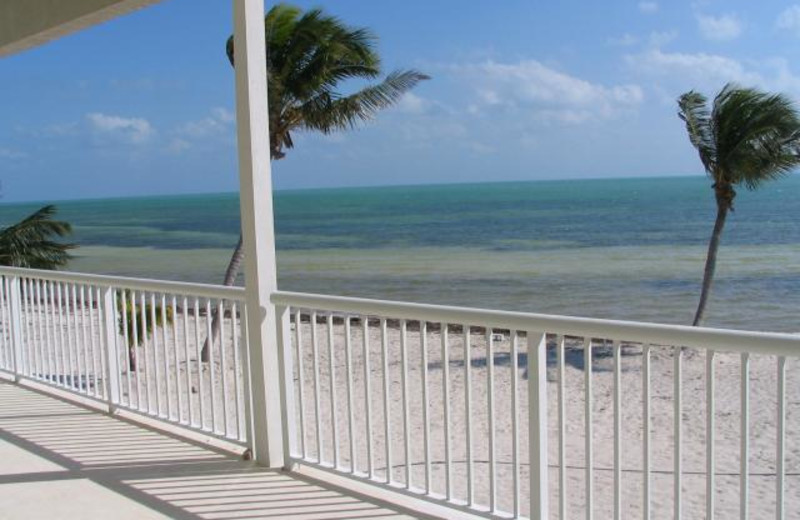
(626, 249)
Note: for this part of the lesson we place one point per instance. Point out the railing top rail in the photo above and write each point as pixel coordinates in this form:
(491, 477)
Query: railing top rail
(143, 284)
(636, 332)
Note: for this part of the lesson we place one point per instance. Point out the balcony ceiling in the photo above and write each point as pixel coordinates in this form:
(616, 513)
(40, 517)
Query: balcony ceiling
(28, 23)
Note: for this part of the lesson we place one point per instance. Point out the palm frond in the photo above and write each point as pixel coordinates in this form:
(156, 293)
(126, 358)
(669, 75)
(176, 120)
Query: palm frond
(693, 110)
(758, 137)
(325, 113)
(30, 242)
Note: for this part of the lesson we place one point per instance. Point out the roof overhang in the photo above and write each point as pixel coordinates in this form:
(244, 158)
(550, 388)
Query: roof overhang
(28, 23)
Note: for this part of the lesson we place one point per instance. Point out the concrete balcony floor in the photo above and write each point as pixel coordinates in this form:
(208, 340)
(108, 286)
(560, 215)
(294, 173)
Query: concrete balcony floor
(60, 460)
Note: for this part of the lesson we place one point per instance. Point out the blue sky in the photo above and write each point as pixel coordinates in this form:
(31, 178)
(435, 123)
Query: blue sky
(521, 90)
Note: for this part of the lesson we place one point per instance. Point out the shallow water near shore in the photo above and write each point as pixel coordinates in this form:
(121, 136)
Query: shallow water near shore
(623, 249)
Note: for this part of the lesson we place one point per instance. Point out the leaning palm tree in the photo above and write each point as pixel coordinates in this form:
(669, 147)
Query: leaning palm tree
(747, 137)
(309, 54)
(32, 241)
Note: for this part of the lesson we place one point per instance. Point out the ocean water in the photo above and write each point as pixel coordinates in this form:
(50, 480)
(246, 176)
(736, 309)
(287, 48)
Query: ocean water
(624, 249)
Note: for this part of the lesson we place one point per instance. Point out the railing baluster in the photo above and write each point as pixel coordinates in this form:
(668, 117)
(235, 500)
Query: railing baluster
(237, 385)
(426, 430)
(102, 357)
(84, 346)
(112, 357)
(617, 432)
(711, 462)
(298, 331)
(286, 383)
(491, 421)
(4, 358)
(468, 414)
(24, 367)
(646, 481)
(315, 358)
(387, 424)
(678, 458)
(212, 379)
(53, 332)
(199, 362)
(130, 296)
(72, 332)
(65, 355)
(406, 405)
(177, 365)
(332, 390)
(780, 462)
(368, 395)
(349, 381)
(224, 367)
(25, 336)
(744, 455)
(43, 369)
(145, 351)
(448, 463)
(562, 446)
(515, 423)
(154, 339)
(537, 424)
(165, 350)
(43, 354)
(588, 405)
(188, 365)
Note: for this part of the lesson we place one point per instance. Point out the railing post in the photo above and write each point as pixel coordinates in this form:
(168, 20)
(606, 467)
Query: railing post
(15, 306)
(258, 231)
(112, 355)
(287, 382)
(537, 423)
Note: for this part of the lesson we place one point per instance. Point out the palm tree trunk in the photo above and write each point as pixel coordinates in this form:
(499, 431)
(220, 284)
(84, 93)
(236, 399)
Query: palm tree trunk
(230, 277)
(711, 259)
(132, 357)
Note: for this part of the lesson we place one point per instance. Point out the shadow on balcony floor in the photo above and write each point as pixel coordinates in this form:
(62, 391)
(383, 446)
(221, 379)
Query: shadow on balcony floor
(59, 460)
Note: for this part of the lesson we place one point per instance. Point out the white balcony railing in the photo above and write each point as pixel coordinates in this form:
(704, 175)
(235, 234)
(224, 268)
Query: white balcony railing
(135, 344)
(451, 405)
(438, 396)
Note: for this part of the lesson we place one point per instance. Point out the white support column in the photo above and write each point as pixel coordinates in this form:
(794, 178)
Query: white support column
(15, 306)
(255, 196)
(537, 423)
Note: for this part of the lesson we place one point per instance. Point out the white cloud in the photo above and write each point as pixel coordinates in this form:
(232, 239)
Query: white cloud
(10, 153)
(678, 72)
(551, 95)
(178, 145)
(626, 40)
(136, 130)
(648, 7)
(697, 70)
(217, 123)
(789, 20)
(719, 28)
(661, 38)
(412, 103)
(223, 114)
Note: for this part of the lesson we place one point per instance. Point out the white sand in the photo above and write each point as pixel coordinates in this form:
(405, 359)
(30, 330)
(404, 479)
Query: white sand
(762, 425)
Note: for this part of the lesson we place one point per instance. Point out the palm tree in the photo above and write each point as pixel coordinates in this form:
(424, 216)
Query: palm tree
(136, 322)
(308, 56)
(30, 242)
(746, 138)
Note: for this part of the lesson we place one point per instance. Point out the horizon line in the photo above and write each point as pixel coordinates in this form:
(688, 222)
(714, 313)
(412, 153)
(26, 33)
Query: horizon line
(334, 188)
